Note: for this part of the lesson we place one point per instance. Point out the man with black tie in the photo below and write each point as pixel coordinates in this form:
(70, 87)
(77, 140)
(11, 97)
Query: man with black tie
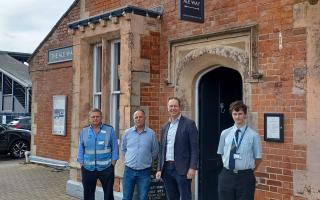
(241, 152)
(179, 153)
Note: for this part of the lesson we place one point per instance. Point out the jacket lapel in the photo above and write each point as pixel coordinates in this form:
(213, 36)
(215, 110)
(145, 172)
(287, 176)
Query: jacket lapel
(181, 121)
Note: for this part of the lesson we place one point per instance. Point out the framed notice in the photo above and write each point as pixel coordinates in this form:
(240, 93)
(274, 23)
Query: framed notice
(59, 115)
(273, 127)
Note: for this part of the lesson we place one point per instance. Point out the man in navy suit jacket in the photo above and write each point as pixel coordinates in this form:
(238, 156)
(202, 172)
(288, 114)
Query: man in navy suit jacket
(179, 153)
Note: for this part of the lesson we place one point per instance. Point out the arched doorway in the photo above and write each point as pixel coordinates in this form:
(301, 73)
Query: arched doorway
(216, 90)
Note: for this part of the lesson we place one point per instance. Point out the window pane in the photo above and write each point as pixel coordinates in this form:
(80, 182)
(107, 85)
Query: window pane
(97, 74)
(117, 88)
(98, 57)
(7, 85)
(97, 101)
(19, 93)
(7, 103)
(115, 85)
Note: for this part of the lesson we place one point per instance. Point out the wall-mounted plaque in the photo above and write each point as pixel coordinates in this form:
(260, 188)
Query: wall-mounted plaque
(191, 10)
(273, 127)
(59, 55)
(59, 115)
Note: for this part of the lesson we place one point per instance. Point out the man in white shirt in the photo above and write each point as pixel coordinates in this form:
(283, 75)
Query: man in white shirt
(241, 152)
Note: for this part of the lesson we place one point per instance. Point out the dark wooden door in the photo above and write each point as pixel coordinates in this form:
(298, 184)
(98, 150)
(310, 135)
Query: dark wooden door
(217, 89)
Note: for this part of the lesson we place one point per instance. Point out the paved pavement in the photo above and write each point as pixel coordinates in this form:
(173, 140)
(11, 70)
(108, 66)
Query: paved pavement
(19, 181)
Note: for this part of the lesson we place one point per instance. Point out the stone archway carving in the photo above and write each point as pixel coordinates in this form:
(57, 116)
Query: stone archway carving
(237, 55)
(197, 60)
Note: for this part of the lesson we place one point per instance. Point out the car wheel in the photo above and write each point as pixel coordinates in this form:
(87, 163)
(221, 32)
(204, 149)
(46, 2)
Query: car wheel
(18, 148)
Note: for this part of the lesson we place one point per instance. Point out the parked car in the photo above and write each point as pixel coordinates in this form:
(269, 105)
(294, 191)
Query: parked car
(14, 141)
(21, 123)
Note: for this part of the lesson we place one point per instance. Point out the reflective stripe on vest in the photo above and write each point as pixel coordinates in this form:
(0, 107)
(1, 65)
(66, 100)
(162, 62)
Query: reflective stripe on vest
(85, 137)
(97, 151)
(97, 162)
(108, 150)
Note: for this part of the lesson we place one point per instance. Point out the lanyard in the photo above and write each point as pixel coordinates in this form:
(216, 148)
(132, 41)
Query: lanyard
(238, 144)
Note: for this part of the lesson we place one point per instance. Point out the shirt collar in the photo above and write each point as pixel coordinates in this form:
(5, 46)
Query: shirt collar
(242, 128)
(144, 129)
(176, 120)
(99, 126)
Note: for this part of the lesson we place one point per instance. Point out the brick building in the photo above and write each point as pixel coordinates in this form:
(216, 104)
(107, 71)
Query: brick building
(266, 52)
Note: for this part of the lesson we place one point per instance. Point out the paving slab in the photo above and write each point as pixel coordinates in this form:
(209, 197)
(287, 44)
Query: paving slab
(19, 181)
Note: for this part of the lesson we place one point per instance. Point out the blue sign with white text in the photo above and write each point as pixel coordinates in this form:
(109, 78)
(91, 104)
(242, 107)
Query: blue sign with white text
(191, 10)
(59, 55)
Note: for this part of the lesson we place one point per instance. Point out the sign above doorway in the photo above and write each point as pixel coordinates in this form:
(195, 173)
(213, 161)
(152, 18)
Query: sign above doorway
(191, 10)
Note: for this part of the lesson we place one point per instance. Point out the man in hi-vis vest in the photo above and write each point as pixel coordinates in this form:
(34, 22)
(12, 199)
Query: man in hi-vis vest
(97, 154)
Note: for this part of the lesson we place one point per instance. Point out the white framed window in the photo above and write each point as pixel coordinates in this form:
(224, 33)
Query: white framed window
(114, 84)
(97, 80)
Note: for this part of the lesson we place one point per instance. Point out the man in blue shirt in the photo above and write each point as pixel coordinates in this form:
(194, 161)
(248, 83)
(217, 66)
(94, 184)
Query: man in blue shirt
(241, 152)
(97, 154)
(139, 147)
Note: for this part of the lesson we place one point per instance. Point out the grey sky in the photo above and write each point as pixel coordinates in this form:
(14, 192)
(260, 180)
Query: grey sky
(25, 23)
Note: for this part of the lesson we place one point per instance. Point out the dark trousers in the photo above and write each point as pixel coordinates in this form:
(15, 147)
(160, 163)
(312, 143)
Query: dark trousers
(89, 181)
(233, 186)
(176, 185)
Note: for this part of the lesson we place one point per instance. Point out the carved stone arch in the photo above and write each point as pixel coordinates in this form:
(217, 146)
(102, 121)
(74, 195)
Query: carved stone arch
(237, 55)
(198, 60)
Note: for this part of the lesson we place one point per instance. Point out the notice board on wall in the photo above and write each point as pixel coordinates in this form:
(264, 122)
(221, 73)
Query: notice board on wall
(59, 115)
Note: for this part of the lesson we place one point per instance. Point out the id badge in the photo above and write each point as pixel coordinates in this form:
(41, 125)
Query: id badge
(237, 156)
(101, 142)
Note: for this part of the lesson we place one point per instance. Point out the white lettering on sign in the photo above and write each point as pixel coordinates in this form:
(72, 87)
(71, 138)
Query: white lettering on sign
(192, 2)
(60, 55)
(191, 10)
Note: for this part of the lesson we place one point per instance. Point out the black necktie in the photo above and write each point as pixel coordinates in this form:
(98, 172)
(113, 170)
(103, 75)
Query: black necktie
(233, 150)
(237, 135)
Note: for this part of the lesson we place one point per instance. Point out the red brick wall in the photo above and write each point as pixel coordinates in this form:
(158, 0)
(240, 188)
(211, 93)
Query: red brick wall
(49, 80)
(49, 83)
(99, 6)
(150, 49)
(273, 94)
